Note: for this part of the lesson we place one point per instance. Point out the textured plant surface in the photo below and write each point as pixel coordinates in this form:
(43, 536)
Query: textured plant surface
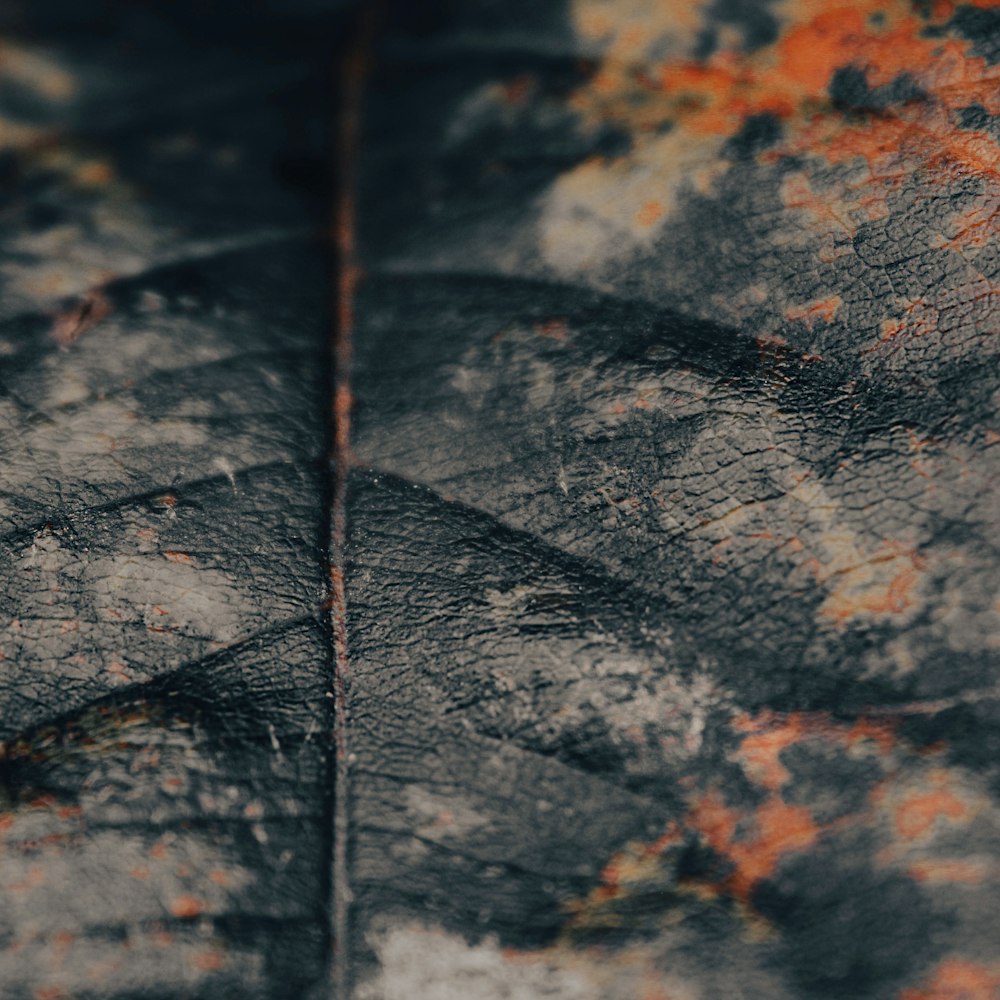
(498, 500)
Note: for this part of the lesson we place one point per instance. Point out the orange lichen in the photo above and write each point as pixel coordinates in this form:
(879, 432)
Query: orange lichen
(958, 979)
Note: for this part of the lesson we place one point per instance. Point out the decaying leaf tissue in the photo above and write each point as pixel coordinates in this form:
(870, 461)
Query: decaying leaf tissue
(498, 500)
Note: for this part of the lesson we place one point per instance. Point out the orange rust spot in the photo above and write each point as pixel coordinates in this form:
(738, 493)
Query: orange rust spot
(139, 872)
(650, 213)
(186, 907)
(823, 309)
(756, 841)
(158, 850)
(761, 749)
(218, 876)
(50, 993)
(880, 732)
(949, 870)
(885, 39)
(773, 831)
(958, 979)
(975, 228)
(178, 557)
(918, 320)
(918, 813)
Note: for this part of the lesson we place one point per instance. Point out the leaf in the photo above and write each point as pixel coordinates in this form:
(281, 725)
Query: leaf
(671, 573)
(165, 657)
(639, 639)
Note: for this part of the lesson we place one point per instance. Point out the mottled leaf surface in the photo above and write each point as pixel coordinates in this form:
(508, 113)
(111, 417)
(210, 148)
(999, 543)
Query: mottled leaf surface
(163, 650)
(672, 572)
(655, 574)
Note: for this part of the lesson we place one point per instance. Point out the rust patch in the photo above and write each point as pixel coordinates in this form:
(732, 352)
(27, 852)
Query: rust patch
(680, 112)
(812, 312)
(958, 979)
(650, 213)
(178, 557)
(754, 843)
(186, 907)
(912, 800)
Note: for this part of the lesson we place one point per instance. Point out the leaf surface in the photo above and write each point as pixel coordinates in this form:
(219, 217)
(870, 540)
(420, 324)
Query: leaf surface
(672, 567)
(639, 639)
(162, 399)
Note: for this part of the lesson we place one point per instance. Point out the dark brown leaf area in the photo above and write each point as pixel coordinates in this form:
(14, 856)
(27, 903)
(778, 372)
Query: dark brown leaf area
(669, 571)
